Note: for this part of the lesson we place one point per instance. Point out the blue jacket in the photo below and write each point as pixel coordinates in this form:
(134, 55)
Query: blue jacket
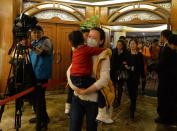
(42, 63)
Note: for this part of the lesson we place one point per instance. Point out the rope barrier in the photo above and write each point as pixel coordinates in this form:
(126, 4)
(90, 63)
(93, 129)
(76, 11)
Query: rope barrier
(30, 89)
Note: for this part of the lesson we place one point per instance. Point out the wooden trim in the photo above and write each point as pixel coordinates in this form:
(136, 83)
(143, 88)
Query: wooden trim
(110, 5)
(145, 3)
(138, 22)
(78, 18)
(106, 28)
(138, 9)
(58, 21)
(136, 2)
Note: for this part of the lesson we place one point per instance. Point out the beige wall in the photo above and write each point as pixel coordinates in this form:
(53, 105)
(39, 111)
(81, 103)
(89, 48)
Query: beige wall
(8, 11)
(117, 35)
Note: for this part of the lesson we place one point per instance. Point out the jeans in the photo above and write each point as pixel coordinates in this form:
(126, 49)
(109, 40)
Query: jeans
(79, 108)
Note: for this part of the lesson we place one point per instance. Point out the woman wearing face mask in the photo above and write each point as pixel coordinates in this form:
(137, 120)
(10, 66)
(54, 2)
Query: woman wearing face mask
(85, 102)
(81, 66)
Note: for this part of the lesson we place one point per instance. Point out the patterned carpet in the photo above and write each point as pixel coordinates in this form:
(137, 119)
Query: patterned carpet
(144, 116)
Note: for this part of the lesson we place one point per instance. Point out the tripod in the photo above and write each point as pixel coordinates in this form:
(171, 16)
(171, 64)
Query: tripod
(18, 79)
(18, 65)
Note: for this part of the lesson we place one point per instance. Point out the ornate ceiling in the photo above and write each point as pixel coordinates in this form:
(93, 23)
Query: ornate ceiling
(92, 0)
(97, 2)
(101, 0)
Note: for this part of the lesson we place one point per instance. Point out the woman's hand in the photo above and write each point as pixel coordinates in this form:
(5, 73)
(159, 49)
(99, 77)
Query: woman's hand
(126, 67)
(81, 91)
(88, 90)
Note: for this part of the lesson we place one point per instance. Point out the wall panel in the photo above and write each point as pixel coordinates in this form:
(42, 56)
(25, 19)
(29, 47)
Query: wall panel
(173, 18)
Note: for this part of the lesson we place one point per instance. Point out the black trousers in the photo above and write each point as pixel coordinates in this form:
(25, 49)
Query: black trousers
(39, 104)
(118, 84)
(132, 86)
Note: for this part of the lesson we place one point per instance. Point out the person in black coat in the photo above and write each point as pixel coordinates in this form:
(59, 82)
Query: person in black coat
(167, 88)
(119, 56)
(135, 67)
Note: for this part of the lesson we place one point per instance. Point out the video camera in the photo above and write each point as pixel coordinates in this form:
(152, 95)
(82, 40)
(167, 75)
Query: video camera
(22, 24)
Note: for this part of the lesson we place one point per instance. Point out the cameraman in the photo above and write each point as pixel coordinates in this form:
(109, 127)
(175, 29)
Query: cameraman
(41, 58)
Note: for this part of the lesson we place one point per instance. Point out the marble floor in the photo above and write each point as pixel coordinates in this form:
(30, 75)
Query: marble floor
(144, 116)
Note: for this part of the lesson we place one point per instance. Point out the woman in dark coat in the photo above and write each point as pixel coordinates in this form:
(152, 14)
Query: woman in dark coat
(167, 89)
(119, 56)
(135, 67)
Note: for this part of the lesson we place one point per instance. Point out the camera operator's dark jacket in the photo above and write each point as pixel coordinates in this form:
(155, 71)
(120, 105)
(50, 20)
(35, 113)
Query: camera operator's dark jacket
(42, 63)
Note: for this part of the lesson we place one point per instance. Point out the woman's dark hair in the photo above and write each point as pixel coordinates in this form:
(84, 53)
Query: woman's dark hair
(124, 46)
(166, 33)
(102, 35)
(173, 39)
(122, 38)
(76, 38)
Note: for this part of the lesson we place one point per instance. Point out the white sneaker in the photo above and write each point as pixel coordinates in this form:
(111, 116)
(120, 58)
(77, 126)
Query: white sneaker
(104, 116)
(67, 108)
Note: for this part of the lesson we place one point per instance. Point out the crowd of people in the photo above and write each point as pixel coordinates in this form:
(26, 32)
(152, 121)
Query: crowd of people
(129, 63)
(97, 75)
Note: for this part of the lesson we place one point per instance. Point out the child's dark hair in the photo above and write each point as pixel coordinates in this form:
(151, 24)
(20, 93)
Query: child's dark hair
(85, 30)
(76, 38)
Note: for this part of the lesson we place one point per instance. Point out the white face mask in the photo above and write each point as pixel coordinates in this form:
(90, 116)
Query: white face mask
(91, 42)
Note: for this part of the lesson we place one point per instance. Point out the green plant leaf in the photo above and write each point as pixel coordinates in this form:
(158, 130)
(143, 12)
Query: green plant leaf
(90, 23)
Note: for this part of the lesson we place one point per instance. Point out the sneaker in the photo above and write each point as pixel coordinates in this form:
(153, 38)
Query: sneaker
(67, 108)
(103, 116)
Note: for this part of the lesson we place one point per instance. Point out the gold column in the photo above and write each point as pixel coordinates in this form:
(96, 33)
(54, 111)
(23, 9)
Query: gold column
(104, 15)
(89, 12)
(8, 11)
(173, 18)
